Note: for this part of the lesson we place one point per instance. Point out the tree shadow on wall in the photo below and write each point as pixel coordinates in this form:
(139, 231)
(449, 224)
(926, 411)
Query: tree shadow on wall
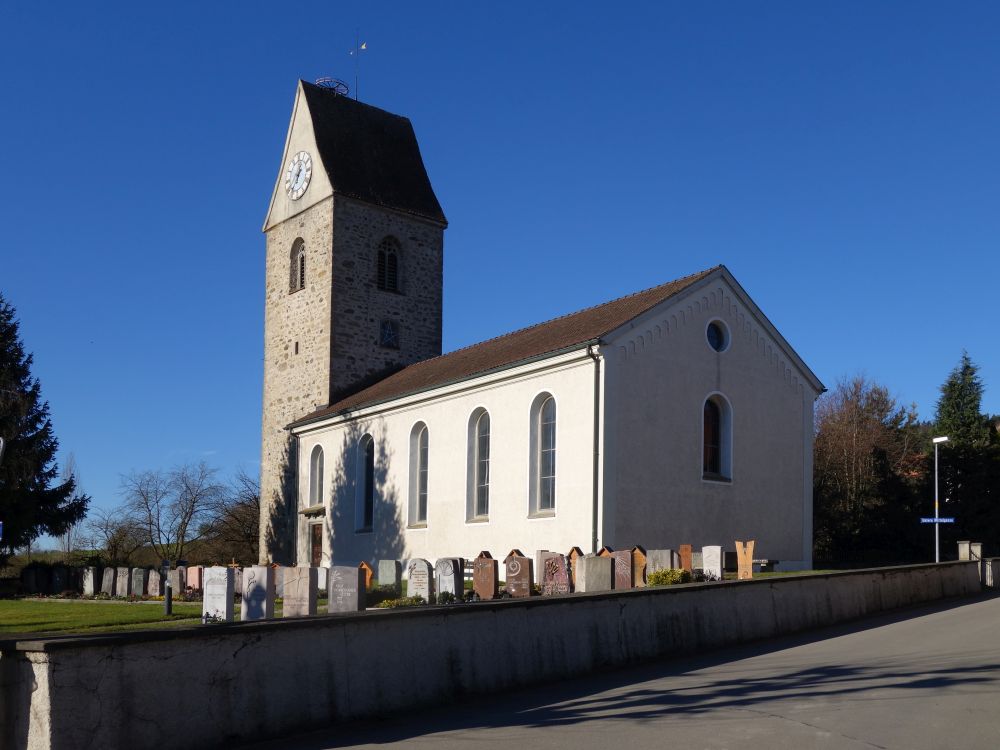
(279, 537)
(350, 543)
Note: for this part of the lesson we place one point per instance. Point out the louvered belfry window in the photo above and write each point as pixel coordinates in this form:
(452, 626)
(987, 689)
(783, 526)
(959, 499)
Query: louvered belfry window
(387, 267)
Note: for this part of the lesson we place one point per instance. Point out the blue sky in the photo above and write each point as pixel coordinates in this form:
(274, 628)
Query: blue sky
(842, 159)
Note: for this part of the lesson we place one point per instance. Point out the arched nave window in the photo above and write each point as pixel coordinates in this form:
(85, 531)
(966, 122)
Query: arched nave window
(542, 446)
(717, 439)
(418, 475)
(478, 495)
(316, 476)
(365, 504)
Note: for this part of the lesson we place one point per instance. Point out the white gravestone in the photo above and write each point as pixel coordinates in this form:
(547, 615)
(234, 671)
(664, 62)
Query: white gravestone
(300, 592)
(154, 586)
(217, 601)
(257, 593)
(346, 591)
(661, 559)
(712, 561)
(108, 581)
(175, 581)
(448, 577)
(418, 576)
(90, 586)
(123, 581)
(140, 576)
(594, 573)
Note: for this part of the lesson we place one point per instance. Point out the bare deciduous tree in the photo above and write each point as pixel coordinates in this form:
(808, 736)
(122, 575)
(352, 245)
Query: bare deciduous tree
(232, 531)
(115, 534)
(171, 508)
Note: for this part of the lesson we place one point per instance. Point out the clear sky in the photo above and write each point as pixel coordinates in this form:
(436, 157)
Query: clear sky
(840, 158)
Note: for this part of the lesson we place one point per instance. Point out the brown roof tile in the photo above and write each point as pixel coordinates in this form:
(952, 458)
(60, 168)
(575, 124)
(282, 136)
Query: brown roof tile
(544, 338)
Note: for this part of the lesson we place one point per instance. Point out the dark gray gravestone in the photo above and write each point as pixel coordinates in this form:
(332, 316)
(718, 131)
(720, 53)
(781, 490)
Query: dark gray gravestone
(390, 573)
(449, 577)
(29, 580)
(623, 569)
(346, 589)
(140, 578)
(257, 593)
(555, 576)
(519, 576)
(43, 579)
(419, 580)
(108, 578)
(60, 579)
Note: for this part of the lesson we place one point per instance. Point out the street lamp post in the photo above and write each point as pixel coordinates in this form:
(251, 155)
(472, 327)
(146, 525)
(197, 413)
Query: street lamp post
(937, 526)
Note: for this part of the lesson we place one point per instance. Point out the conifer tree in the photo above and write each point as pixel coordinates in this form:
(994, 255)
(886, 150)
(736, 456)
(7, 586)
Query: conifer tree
(33, 500)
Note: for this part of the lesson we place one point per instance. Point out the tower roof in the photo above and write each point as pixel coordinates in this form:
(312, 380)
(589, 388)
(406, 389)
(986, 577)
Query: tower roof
(371, 154)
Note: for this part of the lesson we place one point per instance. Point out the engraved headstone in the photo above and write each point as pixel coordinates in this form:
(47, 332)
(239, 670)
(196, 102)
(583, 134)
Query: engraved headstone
(594, 573)
(60, 579)
(140, 578)
(369, 573)
(154, 584)
(217, 601)
(744, 556)
(685, 552)
(418, 576)
(238, 578)
(519, 576)
(712, 562)
(623, 569)
(697, 561)
(660, 559)
(390, 573)
(964, 552)
(322, 579)
(555, 577)
(448, 576)
(123, 582)
(108, 578)
(485, 576)
(194, 576)
(540, 557)
(257, 593)
(300, 591)
(90, 584)
(174, 579)
(638, 566)
(346, 590)
(572, 556)
(182, 576)
(513, 553)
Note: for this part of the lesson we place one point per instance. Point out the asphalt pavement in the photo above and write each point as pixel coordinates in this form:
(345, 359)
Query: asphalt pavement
(925, 678)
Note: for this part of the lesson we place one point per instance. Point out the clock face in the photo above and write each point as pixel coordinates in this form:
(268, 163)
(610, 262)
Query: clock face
(297, 175)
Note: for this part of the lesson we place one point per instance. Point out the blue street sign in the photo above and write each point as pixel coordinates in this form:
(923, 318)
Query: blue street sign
(937, 520)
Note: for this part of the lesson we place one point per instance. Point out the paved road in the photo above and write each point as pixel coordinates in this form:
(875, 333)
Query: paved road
(926, 678)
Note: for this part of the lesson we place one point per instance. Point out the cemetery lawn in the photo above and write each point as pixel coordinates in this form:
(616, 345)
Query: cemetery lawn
(68, 616)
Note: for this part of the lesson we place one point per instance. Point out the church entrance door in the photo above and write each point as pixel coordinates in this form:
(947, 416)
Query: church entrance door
(316, 544)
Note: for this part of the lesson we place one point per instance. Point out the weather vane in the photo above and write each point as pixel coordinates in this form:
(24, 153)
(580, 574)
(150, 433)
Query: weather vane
(359, 47)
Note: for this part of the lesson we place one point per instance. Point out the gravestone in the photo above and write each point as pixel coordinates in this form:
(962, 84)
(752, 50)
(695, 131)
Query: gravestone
(418, 576)
(108, 578)
(540, 556)
(555, 577)
(638, 566)
(448, 577)
(29, 580)
(697, 561)
(712, 562)
(744, 556)
(322, 579)
(194, 576)
(605, 551)
(346, 590)
(238, 573)
(75, 579)
(140, 579)
(519, 576)
(217, 601)
(964, 551)
(976, 551)
(623, 569)
(369, 573)
(730, 563)
(572, 556)
(60, 579)
(594, 573)
(512, 554)
(123, 582)
(90, 581)
(300, 591)
(182, 574)
(257, 593)
(661, 559)
(154, 585)
(279, 580)
(485, 576)
(174, 579)
(390, 573)
(685, 553)
(43, 580)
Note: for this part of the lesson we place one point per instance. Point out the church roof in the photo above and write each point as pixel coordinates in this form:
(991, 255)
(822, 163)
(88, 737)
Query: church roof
(371, 154)
(560, 334)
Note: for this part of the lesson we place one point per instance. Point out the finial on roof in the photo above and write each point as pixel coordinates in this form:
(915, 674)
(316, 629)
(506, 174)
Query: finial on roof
(333, 84)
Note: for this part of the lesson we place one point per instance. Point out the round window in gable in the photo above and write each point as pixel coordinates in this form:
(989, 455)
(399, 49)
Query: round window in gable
(718, 335)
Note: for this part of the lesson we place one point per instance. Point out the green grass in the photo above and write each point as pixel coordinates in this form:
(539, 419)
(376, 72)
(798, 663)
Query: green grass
(70, 616)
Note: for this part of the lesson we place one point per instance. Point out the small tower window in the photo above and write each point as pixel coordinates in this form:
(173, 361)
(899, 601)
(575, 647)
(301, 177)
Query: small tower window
(387, 267)
(297, 274)
(388, 334)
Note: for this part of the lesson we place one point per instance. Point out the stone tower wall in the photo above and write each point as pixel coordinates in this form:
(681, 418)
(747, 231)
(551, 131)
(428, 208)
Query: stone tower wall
(335, 321)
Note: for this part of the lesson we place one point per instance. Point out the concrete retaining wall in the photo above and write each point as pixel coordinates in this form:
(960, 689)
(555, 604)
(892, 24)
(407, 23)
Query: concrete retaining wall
(203, 686)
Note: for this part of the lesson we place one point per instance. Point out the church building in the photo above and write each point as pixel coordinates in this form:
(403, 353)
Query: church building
(674, 415)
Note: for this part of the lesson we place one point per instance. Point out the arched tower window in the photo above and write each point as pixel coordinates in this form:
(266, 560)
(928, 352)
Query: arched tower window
(478, 493)
(388, 265)
(297, 266)
(316, 476)
(717, 439)
(365, 501)
(542, 446)
(418, 475)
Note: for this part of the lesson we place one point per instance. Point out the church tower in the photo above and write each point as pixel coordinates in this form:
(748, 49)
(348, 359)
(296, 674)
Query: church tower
(355, 242)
